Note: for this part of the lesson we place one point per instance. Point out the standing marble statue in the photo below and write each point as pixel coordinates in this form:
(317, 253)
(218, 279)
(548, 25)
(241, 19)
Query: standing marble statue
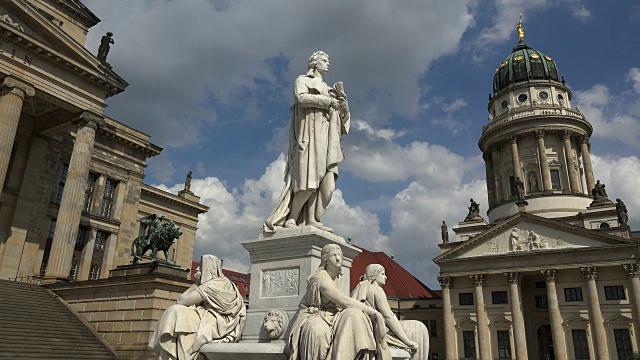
(105, 46)
(319, 118)
(444, 232)
(519, 189)
(621, 211)
(410, 335)
(187, 182)
(211, 310)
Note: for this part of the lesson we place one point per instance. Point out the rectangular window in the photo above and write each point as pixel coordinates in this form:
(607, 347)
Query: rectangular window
(469, 341)
(466, 298)
(623, 343)
(555, 179)
(541, 302)
(541, 285)
(573, 294)
(63, 180)
(580, 345)
(73, 272)
(244, 287)
(433, 329)
(499, 297)
(614, 292)
(101, 239)
(107, 198)
(88, 194)
(94, 272)
(82, 234)
(504, 345)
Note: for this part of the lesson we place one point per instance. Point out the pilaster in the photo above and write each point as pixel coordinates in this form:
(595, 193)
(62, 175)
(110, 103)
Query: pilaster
(484, 341)
(633, 273)
(559, 346)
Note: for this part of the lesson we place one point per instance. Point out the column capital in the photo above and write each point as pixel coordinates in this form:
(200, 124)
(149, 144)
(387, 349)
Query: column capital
(550, 275)
(513, 277)
(565, 134)
(18, 87)
(632, 270)
(477, 279)
(445, 281)
(90, 119)
(513, 139)
(589, 272)
(540, 134)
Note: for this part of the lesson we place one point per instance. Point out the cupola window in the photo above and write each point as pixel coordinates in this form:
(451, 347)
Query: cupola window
(522, 98)
(543, 95)
(504, 104)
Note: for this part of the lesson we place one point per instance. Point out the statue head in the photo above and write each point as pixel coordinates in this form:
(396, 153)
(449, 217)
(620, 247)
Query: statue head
(314, 61)
(274, 323)
(109, 34)
(210, 267)
(327, 256)
(618, 200)
(375, 273)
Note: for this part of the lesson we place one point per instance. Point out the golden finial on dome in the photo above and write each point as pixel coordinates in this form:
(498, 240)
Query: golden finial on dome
(520, 31)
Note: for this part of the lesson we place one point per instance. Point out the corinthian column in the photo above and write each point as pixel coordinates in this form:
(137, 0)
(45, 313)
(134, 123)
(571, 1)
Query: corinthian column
(574, 182)
(544, 163)
(600, 339)
(559, 347)
(11, 99)
(633, 272)
(73, 197)
(515, 158)
(484, 342)
(585, 147)
(518, 319)
(450, 347)
(491, 190)
(495, 159)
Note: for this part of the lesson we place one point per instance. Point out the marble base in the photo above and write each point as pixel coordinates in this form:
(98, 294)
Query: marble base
(157, 267)
(262, 351)
(281, 262)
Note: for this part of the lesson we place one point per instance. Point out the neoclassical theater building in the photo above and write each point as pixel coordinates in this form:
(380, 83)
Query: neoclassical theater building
(553, 273)
(72, 178)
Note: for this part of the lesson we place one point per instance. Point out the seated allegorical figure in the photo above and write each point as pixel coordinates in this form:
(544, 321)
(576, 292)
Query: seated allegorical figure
(330, 324)
(211, 310)
(410, 335)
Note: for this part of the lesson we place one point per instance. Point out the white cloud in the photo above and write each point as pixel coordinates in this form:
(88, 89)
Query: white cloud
(621, 175)
(634, 77)
(180, 55)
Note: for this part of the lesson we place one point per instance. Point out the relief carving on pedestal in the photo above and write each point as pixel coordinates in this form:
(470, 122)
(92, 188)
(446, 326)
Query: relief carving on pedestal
(280, 282)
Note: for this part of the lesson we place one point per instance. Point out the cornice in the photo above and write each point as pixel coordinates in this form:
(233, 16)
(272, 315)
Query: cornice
(165, 195)
(112, 132)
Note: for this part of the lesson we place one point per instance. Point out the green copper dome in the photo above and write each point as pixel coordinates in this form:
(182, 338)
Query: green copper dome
(524, 64)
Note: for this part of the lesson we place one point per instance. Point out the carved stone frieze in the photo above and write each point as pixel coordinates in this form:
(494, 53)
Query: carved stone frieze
(9, 21)
(280, 282)
(477, 279)
(550, 275)
(589, 272)
(445, 281)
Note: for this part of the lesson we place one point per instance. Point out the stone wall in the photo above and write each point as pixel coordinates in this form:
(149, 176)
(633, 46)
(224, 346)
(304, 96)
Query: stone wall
(124, 310)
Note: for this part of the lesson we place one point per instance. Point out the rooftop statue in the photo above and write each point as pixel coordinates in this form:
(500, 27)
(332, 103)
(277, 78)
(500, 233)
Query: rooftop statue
(409, 335)
(474, 211)
(156, 235)
(187, 182)
(211, 310)
(621, 211)
(444, 232)
(319, 118)
(105, 46)
(330, 324)
(520, 30)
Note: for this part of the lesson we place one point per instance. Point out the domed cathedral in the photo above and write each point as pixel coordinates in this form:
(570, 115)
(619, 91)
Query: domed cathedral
(553, 273)
(534, 135)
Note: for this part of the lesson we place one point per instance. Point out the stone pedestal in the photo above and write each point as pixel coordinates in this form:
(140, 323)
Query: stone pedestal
(151, 268)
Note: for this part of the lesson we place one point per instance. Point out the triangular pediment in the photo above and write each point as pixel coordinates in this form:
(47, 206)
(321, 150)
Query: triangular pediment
(576, 320)
(618, 319)
(500, 320)
(33, 31)
(523, 234)
(466, 321)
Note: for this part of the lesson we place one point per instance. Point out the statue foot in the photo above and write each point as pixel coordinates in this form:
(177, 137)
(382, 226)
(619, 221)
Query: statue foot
(320, 226)
(289, 224)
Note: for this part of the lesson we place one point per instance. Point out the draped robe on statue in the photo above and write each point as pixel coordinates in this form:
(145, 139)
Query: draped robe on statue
(322, 330)
(315, 150)
(182, 330)
(372, 294)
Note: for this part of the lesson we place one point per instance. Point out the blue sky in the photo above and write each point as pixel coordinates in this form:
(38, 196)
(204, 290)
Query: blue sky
(211, 83)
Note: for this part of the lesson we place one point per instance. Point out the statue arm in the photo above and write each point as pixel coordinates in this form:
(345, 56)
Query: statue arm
(305, 99)
(191, 297)
(382, 305)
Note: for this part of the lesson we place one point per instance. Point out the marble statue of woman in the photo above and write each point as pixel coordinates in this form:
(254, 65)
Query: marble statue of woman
(330, 324)
(410, 335)
(319, 118)
(211, 310)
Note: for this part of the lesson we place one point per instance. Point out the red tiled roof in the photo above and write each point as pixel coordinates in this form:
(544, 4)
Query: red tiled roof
(235, 277)
(400, 283)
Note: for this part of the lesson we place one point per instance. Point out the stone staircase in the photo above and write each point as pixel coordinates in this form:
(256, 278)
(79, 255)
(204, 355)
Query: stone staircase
(34, 324)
